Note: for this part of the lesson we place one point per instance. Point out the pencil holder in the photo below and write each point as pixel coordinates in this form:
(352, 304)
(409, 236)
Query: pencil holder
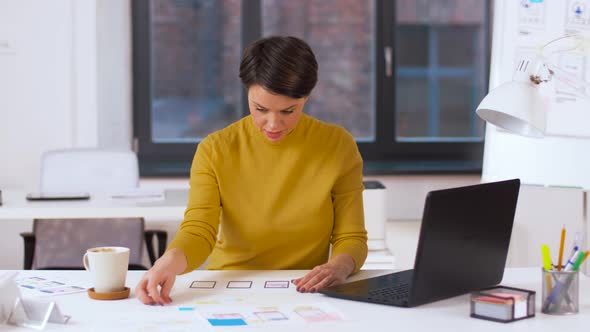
(560, 292)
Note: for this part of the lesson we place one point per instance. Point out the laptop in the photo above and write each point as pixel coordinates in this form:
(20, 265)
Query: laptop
(462, 247)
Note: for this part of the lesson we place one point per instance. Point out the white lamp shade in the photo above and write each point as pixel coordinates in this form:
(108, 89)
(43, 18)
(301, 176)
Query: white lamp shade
(515, 106)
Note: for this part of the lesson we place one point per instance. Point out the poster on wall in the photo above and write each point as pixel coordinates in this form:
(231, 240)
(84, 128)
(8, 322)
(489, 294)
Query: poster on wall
(532, 22)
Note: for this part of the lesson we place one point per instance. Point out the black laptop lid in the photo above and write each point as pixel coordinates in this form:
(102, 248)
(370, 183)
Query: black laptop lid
(464, 240)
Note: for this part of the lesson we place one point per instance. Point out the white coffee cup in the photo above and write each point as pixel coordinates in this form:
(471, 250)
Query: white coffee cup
(108, 266)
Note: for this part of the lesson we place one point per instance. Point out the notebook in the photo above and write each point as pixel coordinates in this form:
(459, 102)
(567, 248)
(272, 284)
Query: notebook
(462, 247)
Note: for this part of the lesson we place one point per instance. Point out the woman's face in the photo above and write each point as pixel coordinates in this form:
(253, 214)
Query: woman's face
(274, 115)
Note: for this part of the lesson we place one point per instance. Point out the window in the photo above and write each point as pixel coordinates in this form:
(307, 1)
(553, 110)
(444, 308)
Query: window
(434, 76)
(186, 58)
(404, 77)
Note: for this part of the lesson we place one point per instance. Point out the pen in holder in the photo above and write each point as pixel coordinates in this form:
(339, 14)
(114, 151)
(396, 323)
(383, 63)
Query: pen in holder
(560, 293)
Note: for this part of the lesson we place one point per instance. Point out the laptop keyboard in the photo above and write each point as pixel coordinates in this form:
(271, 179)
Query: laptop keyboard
(396, 293)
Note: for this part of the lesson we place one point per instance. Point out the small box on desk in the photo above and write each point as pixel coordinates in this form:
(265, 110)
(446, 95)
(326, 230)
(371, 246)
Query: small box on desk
(503, 304)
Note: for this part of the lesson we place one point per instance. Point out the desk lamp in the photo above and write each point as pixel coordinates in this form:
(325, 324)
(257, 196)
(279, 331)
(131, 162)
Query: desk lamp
(518, 106)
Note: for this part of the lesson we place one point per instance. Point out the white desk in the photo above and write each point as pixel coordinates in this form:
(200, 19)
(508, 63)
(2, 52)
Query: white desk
(15, 206)
(169, 212)
(447, 315)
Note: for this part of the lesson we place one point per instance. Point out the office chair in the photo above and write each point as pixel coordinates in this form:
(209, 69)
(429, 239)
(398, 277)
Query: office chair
(92, 171)
(59, 244)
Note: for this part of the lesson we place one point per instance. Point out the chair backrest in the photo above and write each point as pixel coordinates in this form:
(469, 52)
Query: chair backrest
(89, 170)
(63, 242)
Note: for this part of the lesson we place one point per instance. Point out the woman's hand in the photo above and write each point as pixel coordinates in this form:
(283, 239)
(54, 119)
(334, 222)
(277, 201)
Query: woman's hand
(156, 284)
(332, 273)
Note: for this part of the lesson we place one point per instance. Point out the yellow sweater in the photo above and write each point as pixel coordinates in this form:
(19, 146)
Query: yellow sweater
(277, 205)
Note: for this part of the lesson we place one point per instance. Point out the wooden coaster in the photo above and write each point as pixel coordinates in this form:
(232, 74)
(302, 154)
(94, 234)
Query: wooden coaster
(109, 296)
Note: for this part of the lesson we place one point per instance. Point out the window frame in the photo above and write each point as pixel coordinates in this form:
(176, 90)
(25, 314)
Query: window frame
(385, 155)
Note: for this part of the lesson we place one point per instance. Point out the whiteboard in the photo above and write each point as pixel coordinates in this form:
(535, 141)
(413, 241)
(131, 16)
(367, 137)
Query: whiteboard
(562, 158)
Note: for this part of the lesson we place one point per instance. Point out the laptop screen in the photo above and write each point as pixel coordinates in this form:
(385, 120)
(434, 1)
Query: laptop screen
(464, 240)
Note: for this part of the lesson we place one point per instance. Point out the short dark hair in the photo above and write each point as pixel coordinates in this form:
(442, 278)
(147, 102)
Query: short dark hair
(282, 65)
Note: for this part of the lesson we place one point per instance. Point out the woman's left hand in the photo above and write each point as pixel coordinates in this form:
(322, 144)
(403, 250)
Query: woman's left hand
(332, 273)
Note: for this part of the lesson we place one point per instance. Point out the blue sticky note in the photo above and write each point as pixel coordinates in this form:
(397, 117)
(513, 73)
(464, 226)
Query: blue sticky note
(186, 308)
(227, 322)
(536, 1)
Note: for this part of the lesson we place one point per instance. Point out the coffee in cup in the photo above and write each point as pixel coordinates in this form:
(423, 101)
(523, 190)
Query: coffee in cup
(104, 249)
(108, 266)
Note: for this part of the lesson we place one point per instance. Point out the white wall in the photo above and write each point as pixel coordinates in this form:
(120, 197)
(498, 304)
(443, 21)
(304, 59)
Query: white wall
(36, 86)
(64, 81)
(114, 97)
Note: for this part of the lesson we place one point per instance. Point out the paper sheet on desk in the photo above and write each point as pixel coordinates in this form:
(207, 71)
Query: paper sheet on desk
(33, 286)
(199, 317)
(267, 315)
(149, 318)
(139, 194)
(173, 197)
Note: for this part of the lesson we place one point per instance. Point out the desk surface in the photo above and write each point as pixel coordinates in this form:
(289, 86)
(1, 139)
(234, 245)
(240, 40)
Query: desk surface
(447, 315)
(15, 206)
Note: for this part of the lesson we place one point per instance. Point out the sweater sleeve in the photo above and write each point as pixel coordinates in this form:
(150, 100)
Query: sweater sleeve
(197, 234)
(349, 235)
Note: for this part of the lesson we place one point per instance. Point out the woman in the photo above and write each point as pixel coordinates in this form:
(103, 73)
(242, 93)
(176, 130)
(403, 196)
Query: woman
(282, 185)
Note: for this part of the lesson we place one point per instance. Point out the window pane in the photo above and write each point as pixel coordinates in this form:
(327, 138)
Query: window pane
(195, 54)
(457, 45)
(412, 46)
(442, 44)
(412, 105)
(452, 109)
(342, 37)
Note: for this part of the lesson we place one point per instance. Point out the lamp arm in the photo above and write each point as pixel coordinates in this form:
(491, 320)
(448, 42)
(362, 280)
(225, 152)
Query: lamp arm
(565, 44)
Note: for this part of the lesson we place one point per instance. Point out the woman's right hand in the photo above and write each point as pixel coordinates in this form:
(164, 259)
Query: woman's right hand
(156, 284)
